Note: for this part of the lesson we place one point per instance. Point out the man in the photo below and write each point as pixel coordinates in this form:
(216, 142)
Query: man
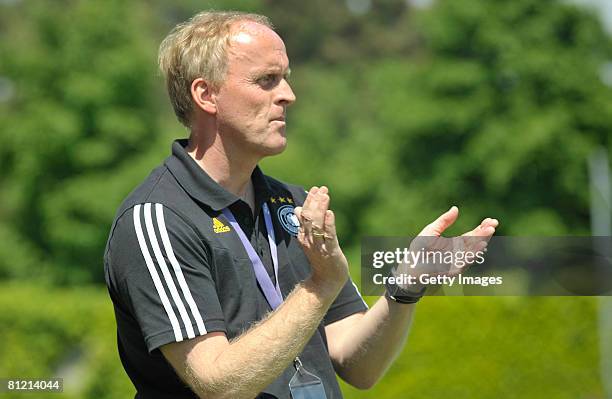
(221, 288)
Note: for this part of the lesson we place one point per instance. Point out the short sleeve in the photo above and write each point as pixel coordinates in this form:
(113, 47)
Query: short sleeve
(348, 302)
(158, 269)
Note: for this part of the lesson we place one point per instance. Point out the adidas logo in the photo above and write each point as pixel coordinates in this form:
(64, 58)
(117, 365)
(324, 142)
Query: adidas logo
(219, 227)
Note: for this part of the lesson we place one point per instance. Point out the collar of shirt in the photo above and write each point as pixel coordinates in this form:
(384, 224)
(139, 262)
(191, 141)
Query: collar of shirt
(200, 186)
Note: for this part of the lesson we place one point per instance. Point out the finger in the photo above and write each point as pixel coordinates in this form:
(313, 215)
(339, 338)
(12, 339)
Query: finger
(305, 217)
(477, 242)
(323, 204)
(304, 232)
(310, 206)
(481, 231)
(311, 193)
(330, 228)
(301, 235)
(330, 223)
(298, 212)
(488, 222)
(320, 205)
(473, 243)
(482, 245)
(491, 222)
(478, 238)
(437, 227)
(486, 227)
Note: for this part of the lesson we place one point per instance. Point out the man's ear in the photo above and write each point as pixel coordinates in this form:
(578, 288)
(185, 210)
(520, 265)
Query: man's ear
(203, 96)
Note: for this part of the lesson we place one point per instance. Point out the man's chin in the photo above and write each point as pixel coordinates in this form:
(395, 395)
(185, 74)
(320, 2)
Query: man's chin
(275, 148)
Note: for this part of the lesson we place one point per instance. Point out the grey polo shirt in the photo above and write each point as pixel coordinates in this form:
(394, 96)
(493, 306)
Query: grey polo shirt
(175, 270)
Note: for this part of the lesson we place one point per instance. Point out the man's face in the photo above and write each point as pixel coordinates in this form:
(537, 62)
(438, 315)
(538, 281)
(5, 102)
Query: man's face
(253, 99)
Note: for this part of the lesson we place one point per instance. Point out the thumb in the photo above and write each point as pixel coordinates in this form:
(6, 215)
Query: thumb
(437, 227)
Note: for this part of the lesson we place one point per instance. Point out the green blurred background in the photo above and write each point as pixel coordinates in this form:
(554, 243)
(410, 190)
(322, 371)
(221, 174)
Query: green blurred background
(404, 108)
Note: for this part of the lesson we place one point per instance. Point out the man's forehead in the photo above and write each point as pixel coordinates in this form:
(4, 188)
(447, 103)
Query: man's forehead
(249, 35)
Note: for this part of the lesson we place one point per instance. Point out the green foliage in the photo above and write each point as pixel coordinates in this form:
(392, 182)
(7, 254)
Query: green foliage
(324, 31)
(459, 347)
(85, 100)
(400, 112)
(490, 105)
(67, 333)
(497, 348)
(497, 113)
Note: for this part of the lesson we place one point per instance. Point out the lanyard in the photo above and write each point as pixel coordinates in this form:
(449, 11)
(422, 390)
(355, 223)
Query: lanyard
(271, 292)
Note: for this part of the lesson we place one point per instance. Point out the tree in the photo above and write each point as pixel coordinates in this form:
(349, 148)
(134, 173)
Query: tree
(490, 105)
(497, 113)
(85, 101)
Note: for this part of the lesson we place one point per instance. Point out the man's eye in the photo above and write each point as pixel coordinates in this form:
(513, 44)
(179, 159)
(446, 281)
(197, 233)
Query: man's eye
(266, 80)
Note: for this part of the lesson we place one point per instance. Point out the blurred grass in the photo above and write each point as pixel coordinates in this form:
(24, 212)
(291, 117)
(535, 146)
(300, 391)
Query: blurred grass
(486, 347)
(459, 347)
(42, 328)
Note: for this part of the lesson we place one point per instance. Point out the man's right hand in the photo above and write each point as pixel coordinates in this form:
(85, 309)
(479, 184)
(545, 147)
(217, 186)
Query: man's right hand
(213, 366)
(318, 238)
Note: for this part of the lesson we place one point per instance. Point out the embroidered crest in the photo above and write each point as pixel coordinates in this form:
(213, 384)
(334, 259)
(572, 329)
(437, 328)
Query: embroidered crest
(288, 219)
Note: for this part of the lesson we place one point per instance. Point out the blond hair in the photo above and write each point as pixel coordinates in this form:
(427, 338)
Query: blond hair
(198, 49)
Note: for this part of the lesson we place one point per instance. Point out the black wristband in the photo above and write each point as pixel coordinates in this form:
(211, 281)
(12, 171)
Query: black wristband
(397, 294)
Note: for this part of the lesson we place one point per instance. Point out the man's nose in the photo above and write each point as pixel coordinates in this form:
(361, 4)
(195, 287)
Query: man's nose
(285, 94)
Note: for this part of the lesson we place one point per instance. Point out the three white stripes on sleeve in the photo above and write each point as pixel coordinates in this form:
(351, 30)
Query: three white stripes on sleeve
(176, 268)
(159, 217)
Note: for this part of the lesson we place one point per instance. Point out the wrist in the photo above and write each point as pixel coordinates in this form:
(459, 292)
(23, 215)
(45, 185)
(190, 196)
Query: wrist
(403, 298)
(323, 288)
(404, 294)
